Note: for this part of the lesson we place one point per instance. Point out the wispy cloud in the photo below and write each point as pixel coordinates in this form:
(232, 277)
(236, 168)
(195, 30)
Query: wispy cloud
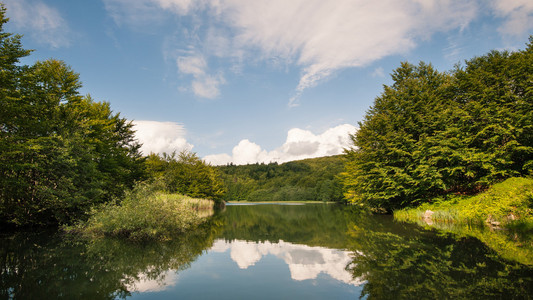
(300, 144)
(378, 72)
(322, 37)
(203, 85)
(518, 15)
(45, 23)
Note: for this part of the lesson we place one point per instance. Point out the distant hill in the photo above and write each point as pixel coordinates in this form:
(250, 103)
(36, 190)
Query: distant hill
(303, 180)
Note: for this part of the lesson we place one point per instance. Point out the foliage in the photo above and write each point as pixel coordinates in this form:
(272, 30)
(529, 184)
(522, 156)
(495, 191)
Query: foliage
(418, 264)
(41, 265)
(60, 153)
(507, 203)
(185, 173)
(323, 225)
(432, 133)
(145, 214)
(305, 180)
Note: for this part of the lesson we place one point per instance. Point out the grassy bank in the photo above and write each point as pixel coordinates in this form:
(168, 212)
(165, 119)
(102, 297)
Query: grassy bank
(506, 204)
(281, 202)
(146, 214)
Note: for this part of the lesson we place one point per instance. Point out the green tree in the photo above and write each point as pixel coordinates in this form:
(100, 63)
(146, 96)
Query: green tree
(387, 166)
(187, 174)
(60, 152)
(433, 133)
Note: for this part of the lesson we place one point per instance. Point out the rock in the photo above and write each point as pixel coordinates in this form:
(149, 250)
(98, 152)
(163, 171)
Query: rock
(427, 217)
(492, 223)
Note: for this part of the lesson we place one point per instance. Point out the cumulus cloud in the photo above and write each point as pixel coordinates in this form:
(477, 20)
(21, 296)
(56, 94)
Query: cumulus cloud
(304, 262)
(300, 144)
(144, 282)
(159, 137)
(45, 23)
(518, 15)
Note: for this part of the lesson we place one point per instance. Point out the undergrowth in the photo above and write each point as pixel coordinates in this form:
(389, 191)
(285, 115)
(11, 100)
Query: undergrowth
(509, 204)
(145, 214)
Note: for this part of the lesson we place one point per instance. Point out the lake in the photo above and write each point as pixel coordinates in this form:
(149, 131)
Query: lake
(268, 251)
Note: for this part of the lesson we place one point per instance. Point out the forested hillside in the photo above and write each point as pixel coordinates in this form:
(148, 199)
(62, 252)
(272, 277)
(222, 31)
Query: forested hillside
(305, 180)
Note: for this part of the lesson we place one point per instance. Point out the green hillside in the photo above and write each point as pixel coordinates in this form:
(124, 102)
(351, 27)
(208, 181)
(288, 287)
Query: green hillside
(304, 180)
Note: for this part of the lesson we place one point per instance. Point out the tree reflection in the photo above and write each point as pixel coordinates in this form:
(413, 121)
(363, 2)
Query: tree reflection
(48, 266)
(429, 265)
(394, 260)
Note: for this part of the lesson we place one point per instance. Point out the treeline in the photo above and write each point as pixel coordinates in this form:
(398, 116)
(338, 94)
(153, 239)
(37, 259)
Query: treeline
(305, 180)
(61, 153)
(185, 173)
(433, 133)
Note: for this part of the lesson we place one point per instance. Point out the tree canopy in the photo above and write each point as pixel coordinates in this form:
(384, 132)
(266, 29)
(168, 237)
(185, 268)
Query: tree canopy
(432, 133)
(187, 174)
(60, 152)
(305, 180)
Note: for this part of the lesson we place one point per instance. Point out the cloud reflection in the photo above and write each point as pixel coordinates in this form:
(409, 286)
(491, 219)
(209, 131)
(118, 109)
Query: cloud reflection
(146, 283)
(305, 262)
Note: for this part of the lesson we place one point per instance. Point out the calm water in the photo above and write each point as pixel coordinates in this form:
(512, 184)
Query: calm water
(268, 252)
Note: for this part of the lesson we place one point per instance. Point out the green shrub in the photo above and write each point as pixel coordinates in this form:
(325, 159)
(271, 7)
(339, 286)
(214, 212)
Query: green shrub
(146, 214)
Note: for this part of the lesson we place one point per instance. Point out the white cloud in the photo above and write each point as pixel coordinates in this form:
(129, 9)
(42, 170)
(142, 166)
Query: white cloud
(304, 262)
(194, 65)
(518, 15)
(300, 144)
(159, 137)
(378, 72)
(144, 282)
(203, 85)
(208, 86)
(45, 23)
(319, 37)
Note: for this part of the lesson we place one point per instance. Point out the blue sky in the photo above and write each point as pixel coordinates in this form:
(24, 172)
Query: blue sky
(256, 81)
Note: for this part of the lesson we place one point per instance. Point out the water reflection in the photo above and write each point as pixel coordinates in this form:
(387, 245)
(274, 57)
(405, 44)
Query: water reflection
(269, 251)
(48, 265)
(304, 262)
(143, 283)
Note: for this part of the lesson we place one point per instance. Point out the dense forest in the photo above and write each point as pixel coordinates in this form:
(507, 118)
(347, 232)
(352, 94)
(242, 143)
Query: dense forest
(63, 154)
(304, 180)
(60, 152)
(435, 133)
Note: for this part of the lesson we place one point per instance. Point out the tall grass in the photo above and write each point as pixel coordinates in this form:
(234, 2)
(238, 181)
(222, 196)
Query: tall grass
(509, 203)
(146, 214)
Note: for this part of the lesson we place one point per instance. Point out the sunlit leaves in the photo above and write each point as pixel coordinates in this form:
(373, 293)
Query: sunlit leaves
(434, 133)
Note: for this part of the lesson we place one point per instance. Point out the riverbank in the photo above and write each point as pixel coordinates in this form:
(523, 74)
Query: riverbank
(146, 214)
(508, 204)
(280, 202)
(501, 217)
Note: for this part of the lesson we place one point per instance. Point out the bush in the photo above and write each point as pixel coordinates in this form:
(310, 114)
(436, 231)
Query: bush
(146, 214)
